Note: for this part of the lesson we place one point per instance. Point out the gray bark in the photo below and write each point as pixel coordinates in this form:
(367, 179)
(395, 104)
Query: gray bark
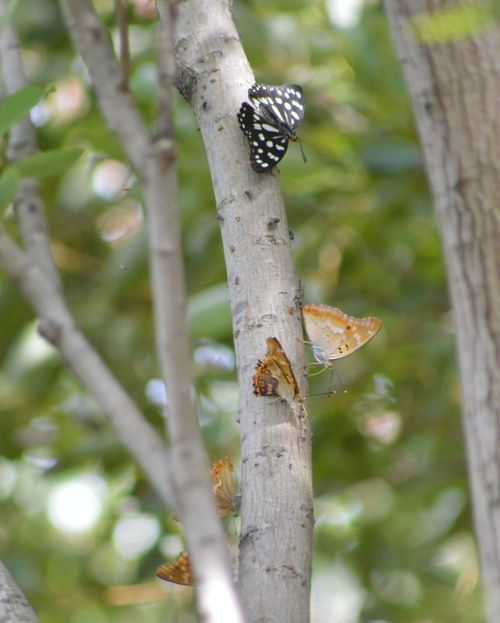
(14, 607)
(264, 290)
(454, 84)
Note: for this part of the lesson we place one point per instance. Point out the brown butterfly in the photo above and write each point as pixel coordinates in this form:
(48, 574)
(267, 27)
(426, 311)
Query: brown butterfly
(178, 571)
(274, 377)
(334, 334)
(224, 486)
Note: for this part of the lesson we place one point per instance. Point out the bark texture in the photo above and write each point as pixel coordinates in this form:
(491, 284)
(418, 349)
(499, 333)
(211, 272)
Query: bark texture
(14, 607)
(454, 81)
(276, 509)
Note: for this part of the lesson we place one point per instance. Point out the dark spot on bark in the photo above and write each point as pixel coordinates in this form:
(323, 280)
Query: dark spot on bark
(291, 234)
(237, 281)
(237, 219)
(272, 222)
(249, 194)
(231, 248)
(219, 217)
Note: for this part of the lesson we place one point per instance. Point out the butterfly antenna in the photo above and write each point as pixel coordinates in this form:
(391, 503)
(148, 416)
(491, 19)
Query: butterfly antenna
(301, 149)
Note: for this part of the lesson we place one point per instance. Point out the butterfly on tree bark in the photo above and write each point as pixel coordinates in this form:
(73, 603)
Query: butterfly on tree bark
(224, 487)
(274, 376)
(270, 123)
(334, 334)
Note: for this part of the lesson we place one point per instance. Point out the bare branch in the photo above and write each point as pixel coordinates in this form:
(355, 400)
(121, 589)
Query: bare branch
(22, 143)
(154, 161)
(39, 281)
(14, 607)
(92, 41)
(121, 14)
(58, 327)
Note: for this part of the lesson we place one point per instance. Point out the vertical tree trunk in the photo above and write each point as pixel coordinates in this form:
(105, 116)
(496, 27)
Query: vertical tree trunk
(451, 60)
(276, 510)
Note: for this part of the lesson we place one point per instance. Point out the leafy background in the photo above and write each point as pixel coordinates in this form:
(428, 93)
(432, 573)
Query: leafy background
(80, 529)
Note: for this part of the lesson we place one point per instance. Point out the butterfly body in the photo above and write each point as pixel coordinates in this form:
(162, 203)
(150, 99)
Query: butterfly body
(334, 334)
(270, 123)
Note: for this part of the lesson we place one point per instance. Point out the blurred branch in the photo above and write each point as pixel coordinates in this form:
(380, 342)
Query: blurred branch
(22, 143)
(154, 161)
(14, 607)
(122, 21)
(117, 105)
(454, 83)
(37, 277)
(58, 327)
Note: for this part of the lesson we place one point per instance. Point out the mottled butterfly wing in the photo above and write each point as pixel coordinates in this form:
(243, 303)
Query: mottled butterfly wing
(224, 486)
(282, 105)
(334, 334)
(268, 144)
(178, 571)
(270, 123)
(274, 376)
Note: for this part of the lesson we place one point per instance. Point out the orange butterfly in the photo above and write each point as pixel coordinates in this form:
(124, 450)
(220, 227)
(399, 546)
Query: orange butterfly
(178, 571)
(334, 334)
(274, 377)
(224, 487)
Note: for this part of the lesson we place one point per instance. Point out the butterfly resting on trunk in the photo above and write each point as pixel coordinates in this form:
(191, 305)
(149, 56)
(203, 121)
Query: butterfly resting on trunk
(270, 123)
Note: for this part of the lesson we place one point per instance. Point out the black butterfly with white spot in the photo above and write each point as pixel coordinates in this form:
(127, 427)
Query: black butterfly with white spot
(271, 124)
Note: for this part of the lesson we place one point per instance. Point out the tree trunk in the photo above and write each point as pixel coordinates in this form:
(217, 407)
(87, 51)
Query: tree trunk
(276, 509)
(451, 60)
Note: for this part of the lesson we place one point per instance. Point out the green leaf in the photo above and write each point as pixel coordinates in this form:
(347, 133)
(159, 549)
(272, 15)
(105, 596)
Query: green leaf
(9, 181)
(46, 163)
(16, 107)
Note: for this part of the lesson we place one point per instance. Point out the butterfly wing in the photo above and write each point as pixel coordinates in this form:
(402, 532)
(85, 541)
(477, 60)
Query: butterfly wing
(224, 486)
(280, 367)
(334, 334)
(274, 375)
(284, 104)
(178, 571)
(268, 144)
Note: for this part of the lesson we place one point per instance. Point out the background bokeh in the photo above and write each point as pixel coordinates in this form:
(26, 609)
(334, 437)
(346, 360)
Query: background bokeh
(80, 528)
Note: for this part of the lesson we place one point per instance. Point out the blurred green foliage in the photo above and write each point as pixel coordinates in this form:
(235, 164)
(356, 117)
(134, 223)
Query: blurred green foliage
(393, 534)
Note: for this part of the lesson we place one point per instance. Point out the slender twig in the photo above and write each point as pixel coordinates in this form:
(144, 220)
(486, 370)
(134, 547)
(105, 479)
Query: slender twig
(14, 606)
(58, 327)
(122, 21)
(119, 110)
(22, 143)
(218, 598)
(38, 279)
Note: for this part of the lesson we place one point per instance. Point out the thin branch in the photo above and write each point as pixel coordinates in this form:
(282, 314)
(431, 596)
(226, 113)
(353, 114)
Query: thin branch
(154, 161)
(14, 607)
(118, 108)
(218, 597)
(122, 21)
(39, 281)
(22, 143)
(58, 327)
